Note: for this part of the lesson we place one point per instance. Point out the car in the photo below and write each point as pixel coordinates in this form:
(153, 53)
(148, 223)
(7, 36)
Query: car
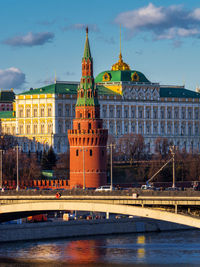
(172, 189)
(104, 188)
(147, 187)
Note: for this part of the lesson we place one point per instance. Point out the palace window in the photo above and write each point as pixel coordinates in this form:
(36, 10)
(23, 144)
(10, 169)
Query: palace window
(42, 112)
(140, 128)
(133, 112)
(140, 112)
(90, 152)
(50, 128)
(176, 113)
(189, 129)
(67, 125)
(35, 129)
(162, 113)
(148, 128)
(196, 129)
(148, 113)
(60, 126)
(21, 113)
(126, 128)
(189, 113)
(21, 129)
(104, 112)
(169, 113)
(28, 129)
(60, 110)
(196, 114)
(111, 112)
(90, 126)
(183, 113)
(49, 112)
(126, 115)
(133, 127)
(35, 112)
(67, 110)
(77, 153)
(118, 112)
(28, 112)
(42, 128)
(79, 126)
(155, 113)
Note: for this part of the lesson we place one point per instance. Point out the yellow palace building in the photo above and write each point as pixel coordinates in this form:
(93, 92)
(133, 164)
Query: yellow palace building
(130, 103)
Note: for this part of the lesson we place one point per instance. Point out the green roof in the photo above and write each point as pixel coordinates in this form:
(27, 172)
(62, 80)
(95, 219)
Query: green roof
(7, 114)
(55, 88)
(121, 76)
(65, 88)
(7, 96)
(71, 88)
(178, 92)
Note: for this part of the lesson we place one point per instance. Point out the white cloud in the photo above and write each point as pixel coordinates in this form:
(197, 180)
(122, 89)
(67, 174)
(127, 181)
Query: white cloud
(171, 22)
(30, 39)
(173, 33)
(195, 14)
(11, 78)
(143, 16)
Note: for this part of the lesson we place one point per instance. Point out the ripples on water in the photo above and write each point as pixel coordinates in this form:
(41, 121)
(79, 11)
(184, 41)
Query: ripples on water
(152, 249)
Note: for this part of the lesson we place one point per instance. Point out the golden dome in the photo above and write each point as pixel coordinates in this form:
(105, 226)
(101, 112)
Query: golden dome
(120, 65)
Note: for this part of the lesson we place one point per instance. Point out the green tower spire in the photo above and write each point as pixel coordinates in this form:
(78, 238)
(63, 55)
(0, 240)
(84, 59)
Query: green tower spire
(87, 53)
(87, 92)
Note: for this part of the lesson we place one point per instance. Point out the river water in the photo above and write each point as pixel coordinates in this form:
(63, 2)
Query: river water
(150, 249)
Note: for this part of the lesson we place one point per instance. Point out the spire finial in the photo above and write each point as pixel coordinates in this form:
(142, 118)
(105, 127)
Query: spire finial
(120, 40)
(55, 77)
(86, 30)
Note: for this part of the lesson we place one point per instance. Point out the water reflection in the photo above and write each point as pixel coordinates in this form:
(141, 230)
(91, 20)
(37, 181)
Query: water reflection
(141, 251)
(152, 249)
(84, 251)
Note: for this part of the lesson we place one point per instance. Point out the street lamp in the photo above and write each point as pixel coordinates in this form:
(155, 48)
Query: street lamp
(172, 150)
(111, 146)
(84, 150)
(1, 171)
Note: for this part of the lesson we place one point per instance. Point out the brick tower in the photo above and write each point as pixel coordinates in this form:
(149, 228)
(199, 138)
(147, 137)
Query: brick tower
(87, 139)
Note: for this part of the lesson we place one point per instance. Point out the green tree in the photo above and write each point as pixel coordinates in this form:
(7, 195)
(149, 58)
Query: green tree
(48, 159)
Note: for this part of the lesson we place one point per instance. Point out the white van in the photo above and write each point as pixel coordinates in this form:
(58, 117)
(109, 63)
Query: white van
(104, 188)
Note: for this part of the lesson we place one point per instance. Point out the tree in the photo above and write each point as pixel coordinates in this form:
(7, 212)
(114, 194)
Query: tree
(48, 159)
(162, 147)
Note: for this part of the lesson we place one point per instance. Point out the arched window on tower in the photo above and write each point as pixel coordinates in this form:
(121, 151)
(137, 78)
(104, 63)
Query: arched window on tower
(79, 126)
(82, 93)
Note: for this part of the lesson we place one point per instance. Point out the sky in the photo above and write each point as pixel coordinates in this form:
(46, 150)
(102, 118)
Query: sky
(44, 39)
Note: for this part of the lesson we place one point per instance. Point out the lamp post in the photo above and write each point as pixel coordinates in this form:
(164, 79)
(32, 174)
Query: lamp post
(111, 146)
(17, 188)
(172, 150)
(1, 171)
(83, 149)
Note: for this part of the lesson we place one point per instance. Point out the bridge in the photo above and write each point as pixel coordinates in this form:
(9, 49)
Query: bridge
(177, 209)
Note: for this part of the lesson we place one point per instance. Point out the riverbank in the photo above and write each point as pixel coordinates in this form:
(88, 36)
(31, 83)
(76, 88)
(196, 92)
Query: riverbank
(65, 229)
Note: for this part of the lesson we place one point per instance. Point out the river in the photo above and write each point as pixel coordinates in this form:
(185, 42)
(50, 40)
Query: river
(149, 249)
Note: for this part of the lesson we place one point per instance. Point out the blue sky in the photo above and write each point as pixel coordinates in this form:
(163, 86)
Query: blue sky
(42, 37)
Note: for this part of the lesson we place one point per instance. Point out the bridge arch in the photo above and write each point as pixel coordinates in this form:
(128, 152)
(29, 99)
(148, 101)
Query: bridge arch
(99, 207)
